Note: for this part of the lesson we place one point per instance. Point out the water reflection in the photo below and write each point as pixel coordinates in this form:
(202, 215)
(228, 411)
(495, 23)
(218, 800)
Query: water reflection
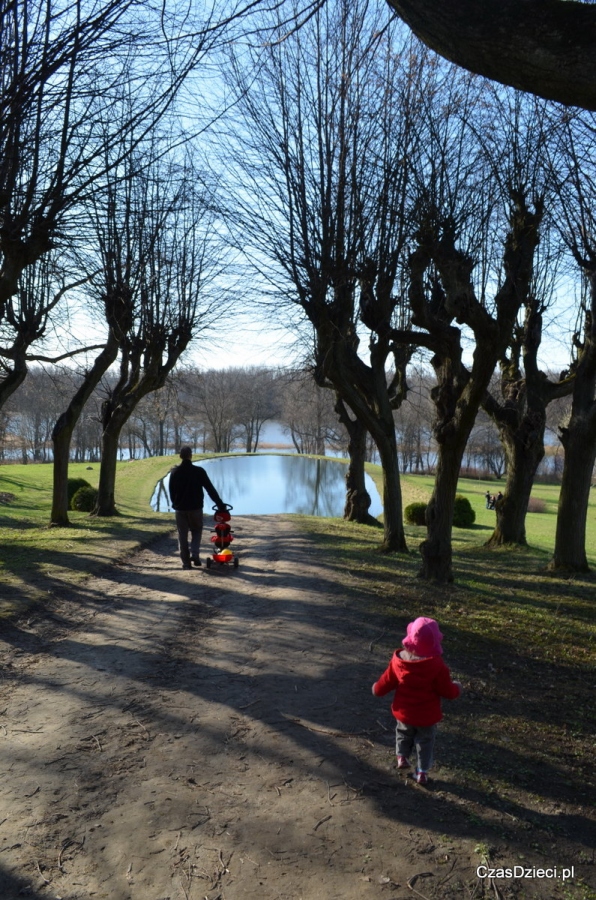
(265, 485)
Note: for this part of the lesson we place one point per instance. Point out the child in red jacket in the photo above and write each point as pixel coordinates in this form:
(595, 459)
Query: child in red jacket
(419, 678)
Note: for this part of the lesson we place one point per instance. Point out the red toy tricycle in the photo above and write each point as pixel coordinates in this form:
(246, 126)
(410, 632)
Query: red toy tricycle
(222, 539)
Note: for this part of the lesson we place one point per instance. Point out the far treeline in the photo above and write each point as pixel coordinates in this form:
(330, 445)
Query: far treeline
(223, 411)
(353, 187)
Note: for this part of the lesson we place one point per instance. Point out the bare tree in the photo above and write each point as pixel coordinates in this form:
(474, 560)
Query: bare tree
(151, 420)
(306, 412)
(520, 415)
(188, 425)
(414, 422)
(258, 402)
(82, 84)
(32, 420)
(58, 99)
(157, 241)
(464, 197)
(485, 455)
(323, 157)
(218, 403)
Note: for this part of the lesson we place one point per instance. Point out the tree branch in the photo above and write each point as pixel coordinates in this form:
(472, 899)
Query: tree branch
(546, 47)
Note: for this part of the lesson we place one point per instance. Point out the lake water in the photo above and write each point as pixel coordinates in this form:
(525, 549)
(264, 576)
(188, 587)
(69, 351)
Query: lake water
(265, 485)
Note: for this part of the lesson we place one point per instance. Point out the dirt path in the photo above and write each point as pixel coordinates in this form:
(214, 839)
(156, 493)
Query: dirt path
(212, 734)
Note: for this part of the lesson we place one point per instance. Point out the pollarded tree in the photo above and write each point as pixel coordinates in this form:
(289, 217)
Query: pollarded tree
(82, 83)
(520, 415)
(467, 209)
(519, 406)
(157, 239)
(64, 68)
(322, 159)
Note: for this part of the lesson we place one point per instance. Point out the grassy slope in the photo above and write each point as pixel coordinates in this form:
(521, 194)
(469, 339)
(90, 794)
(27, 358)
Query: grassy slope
(35, 558)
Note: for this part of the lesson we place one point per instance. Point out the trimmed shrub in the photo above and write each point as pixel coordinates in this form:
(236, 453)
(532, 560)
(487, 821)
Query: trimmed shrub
(463, 514)
(536, 505)
(415, 513)
(73, 486)
(85, 499)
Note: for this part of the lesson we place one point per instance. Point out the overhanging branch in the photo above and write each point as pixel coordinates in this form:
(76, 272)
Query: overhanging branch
(545, 47)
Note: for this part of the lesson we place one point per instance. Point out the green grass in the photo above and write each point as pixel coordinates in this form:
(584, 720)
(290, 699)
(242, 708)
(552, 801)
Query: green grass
(35, 559)
(540, 527)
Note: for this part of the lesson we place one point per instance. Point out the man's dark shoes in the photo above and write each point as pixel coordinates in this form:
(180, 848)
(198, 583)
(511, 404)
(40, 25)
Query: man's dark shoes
(185, 566)
(196, 561)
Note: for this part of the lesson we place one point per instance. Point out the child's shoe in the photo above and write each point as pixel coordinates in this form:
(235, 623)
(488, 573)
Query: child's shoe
(402, 762)
(421, 777)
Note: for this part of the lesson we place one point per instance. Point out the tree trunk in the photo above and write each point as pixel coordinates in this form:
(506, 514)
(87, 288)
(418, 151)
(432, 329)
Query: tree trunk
(61, 439)
(524, 451)
(106, 502)
(580, 451)
(394, 538)
(64, 427)
(459, 392)
(436, 549)
(357, 497)
(579, 441)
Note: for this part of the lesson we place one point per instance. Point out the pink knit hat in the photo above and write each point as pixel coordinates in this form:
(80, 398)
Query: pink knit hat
(423, 637)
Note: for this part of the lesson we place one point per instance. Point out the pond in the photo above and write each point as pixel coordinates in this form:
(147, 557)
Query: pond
(265, 485)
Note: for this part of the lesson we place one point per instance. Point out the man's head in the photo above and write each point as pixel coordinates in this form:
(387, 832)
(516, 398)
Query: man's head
(186, 453)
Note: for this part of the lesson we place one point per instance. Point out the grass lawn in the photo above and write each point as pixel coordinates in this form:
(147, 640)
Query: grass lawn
(35, 559)
(540, 527)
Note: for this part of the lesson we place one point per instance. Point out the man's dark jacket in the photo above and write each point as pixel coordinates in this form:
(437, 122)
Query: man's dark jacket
(186, 487)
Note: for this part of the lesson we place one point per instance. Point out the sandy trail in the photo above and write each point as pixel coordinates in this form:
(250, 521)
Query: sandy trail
(211, 734)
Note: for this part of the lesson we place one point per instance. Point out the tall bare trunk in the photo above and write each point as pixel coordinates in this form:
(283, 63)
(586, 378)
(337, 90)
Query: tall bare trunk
(524, 450)
(436, 549)
(357, 497)
(394, 538)
(64, 427)
(106, 498)
(570, 541)
(579, 441)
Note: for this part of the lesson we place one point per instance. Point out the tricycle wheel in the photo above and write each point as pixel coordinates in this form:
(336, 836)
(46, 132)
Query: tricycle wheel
(209, 561)
(235, 563)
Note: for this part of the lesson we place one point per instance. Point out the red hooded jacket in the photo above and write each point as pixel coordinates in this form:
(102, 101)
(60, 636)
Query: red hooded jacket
(419, 685)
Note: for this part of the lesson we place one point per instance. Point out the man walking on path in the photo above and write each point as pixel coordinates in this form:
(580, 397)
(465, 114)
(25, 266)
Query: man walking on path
(187, 483)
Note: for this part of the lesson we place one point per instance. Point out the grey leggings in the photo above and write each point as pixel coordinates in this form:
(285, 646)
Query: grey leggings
(408, 736)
